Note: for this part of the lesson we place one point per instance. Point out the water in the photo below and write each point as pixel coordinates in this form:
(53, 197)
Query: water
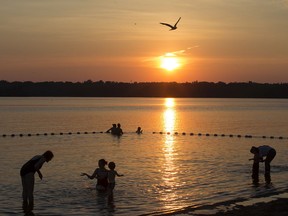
(162, 172)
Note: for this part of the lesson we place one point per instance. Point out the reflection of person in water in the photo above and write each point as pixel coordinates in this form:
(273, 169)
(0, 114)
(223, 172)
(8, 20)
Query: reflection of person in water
(112, 130)
(259, 152)
(101, 174)
(27, 176)
(139, 130)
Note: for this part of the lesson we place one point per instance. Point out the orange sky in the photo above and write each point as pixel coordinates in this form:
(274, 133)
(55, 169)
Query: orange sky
(122, 40)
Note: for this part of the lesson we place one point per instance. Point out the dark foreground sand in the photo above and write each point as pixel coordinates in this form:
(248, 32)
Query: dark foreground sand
(277, 207)
(273, 207)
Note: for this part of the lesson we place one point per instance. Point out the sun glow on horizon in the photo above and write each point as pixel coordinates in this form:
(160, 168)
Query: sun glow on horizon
(169, 102)
(169, 62)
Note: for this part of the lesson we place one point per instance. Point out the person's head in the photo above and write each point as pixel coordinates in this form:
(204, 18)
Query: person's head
(111, 165)
(118, 125)
(48, 155)
(254, 150)
(114, 125)
(139, 128)
(102, 163)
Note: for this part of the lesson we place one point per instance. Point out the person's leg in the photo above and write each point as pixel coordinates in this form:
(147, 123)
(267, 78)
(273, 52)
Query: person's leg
(255, 172)
(270, 156)
(30, 190)
(24, 194)
(110, 189)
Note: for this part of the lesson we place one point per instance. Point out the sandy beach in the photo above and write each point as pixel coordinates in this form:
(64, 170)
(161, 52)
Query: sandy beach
(277, 207)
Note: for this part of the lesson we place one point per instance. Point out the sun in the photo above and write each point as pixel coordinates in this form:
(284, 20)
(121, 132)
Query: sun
(169, 62)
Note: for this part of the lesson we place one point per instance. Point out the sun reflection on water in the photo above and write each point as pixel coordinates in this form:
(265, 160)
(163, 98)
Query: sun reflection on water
(169, 115)
(169, 170)
(169, 102)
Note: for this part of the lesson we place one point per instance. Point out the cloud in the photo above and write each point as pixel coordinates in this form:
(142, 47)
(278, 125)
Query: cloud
(177, 53)
(184, 51)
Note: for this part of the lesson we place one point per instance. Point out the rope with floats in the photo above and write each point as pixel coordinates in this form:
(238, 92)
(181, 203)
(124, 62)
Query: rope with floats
(48, 134)
(222, 135)
(161, 133)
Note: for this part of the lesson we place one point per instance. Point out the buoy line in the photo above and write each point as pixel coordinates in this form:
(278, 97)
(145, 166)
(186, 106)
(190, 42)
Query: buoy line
(48, 134)
(161, 132)
(222, 135)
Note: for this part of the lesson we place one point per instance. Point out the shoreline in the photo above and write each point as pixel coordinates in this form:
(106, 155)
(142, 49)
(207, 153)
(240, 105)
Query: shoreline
(278, 207)
(263, 206)
(275, 205)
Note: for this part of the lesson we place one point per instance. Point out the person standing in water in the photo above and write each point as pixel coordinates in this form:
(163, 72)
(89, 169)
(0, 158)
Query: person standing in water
(119, 131)
(112, 173)
(259, 152)
(28, 179)
(139, 130)
(101, 174)
(112, 130)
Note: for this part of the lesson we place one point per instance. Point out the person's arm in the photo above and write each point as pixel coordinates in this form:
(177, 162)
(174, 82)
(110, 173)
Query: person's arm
(84, 174)
(40, 174)
(118, 174)
(90, 176)
(38, 166)
(256, 158)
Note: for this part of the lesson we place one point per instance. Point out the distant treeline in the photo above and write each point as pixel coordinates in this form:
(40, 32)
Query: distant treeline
(143, 89)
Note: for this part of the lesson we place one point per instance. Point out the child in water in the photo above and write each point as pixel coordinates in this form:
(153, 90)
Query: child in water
(101, 174)
(139, 130)
(112, 173)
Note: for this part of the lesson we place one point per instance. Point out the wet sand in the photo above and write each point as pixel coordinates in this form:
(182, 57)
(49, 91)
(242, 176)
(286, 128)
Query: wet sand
(277, 207)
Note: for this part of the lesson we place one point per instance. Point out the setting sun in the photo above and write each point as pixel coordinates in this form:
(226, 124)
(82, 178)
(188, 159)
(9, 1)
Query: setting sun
(169, 62)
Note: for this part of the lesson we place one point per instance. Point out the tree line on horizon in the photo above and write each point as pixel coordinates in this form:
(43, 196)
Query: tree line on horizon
(143, 89)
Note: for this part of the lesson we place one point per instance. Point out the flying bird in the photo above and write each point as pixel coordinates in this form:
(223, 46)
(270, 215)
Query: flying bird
(172, 27)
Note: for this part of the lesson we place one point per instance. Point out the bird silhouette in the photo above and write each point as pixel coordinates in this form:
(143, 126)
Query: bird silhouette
(171, 27)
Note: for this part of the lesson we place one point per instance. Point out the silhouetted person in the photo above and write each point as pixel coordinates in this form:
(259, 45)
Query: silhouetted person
(119, 130)
(112, 130)
(259, 152)
(27, 176)
(139, 130)
(101, 174)
(112, 173)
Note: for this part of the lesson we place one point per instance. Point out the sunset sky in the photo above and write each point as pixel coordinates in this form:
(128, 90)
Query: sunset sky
(123, 40)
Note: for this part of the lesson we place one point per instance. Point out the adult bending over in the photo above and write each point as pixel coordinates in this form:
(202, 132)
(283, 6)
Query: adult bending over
(259, 152)
(27, 176)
